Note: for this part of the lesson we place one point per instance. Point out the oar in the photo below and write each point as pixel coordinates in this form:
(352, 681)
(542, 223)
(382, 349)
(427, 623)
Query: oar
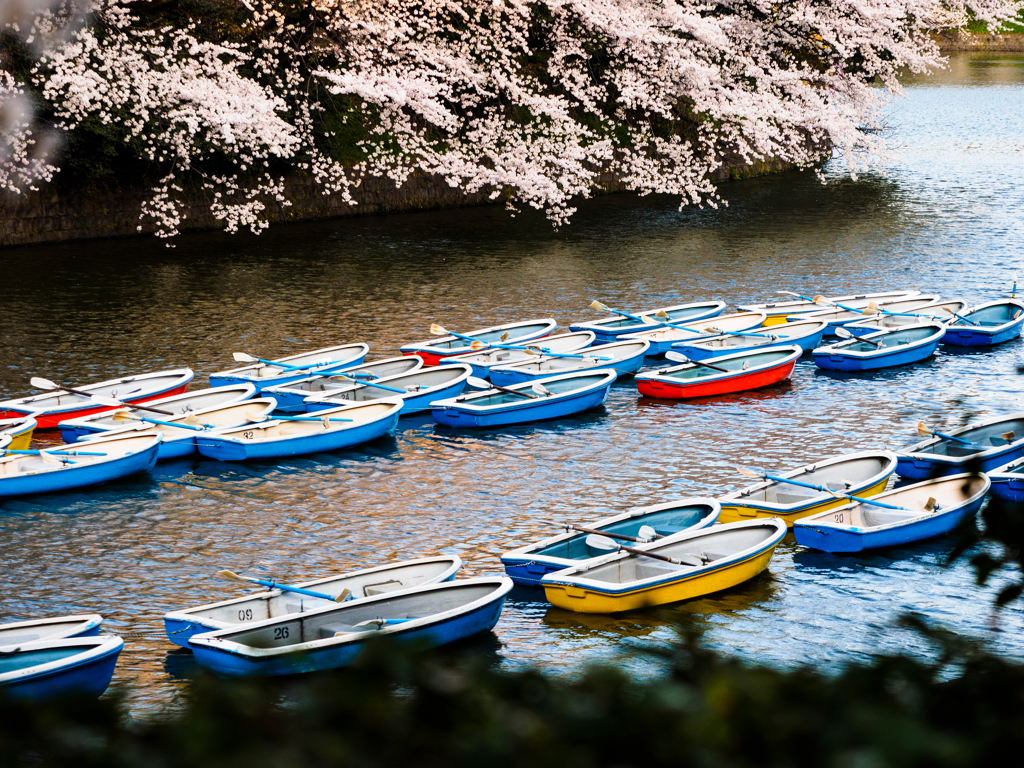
(724, 332)
(646, 532)
(824, 489)
(283, 587)
(924, 431)
(965, 319)
(241, 357)
(540, 389)
(842, 333)
(41, 383)
(366, 384)
(127, 416)
(605, 308)
(678, 357)
(882, 311)
(263, 417)
(438, 330)
(379, 622)
(51, 453)
(599, 541)
(535, 350)
(821, 301)
(798, 295)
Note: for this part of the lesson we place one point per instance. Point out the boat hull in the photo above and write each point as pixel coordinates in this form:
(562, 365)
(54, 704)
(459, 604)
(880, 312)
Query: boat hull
(836, 361)
(733, 513)
(919, 466)
(1008, 487)
(1005, 319)
(88, 676)
(669, 390)
(978, 337)
(586, 599)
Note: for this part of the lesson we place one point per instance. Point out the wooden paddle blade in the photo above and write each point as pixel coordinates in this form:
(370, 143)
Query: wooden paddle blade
(125, 415)
(437, 330)
(661, 314)
(226, 574)
(345, 595)
(1008, 436)
(922, 429)
(504, 336)
(599, 306)
(822, 301)
(40, 383)
(749, 472)
(477, 345)
(931, 505)
(241, 357)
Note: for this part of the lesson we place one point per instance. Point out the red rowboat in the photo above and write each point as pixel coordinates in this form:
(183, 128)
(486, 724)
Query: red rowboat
(743, 370)
(54, 407)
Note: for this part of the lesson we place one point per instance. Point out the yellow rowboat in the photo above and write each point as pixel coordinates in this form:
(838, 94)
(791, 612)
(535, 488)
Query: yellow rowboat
(20, 430)
(778, 310)
(861, 474)
(710, 560)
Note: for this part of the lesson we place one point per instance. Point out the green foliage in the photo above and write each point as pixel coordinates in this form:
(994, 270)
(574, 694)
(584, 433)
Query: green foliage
(1012, 27)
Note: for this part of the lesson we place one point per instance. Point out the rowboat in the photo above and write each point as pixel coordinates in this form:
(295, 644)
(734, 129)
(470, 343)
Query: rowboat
(121, 456)
(54, 407)
(805, 334)
(529, 564)
(327, 638)
(744, 370)
(422, 387)
(778, 311)
(1008, 481)
(983, 446)
(714, 559)
(54, 628)
(275, 603)
(277, 438)
(930, 508)
(625, 357)
(937, 310)
(482, 362)
(20, 430)
(283, 370)
(616, 327)
(860, 474)
(179, 442)
(837, 317)
(518, 333)
(665, 338)
(290, 397)
(899, 346)
(72, 666)
(90, 426)
(986, 324)
(562, 396)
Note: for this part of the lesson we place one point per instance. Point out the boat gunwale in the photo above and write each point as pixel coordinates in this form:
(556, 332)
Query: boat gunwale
(95, 648)
(607, 378)
(84, 622)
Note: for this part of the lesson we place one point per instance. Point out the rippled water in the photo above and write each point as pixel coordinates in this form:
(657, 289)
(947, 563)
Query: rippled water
(946, 219)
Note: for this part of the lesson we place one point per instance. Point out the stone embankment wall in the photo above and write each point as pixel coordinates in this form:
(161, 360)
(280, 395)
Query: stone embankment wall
(55, 214)
(955, 41)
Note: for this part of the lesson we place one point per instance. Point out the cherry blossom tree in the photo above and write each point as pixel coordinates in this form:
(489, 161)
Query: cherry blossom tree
(532, 101)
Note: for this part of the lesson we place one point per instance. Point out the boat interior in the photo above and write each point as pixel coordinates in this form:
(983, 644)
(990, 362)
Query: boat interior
(15, 464)
(269, 605)
(708, 547)
(418, 381)
(665, 523)
(843, 475)
(947, 493)
(16, 659)
(307, 627)
(562, 387)
(14, 635)
(898, 338)
(279, 430)
(983, 438)
(227, 416)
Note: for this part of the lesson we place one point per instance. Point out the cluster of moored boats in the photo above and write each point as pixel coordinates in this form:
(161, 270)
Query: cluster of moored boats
(649, 556)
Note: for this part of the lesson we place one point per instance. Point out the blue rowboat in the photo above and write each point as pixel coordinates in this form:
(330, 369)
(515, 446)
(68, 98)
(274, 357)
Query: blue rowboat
(93, 426)
(122, 455)
(860, 474)
(293, 367)
(569, 393)
(990, 443)
(180, 442)
(899, 346)
(937, 310)
(291, 397)
(54, 628)
(627, 357)
(665, 338)
(529, 564)
(778, 311)
(422, 388)
(277, 438)
(1008, 481)
(328, 638)
(804, 334)
(48, 668)
(933, 508)
(837, 317)
(711, 559)
(991, 323)
(275, 603)
(481, 362)
(617, 327)
(434, 350)
(54, 407)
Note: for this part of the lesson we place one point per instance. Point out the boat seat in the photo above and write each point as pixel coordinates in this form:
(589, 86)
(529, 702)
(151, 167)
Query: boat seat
(339, 628)
(381, 587)
(792, 498)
